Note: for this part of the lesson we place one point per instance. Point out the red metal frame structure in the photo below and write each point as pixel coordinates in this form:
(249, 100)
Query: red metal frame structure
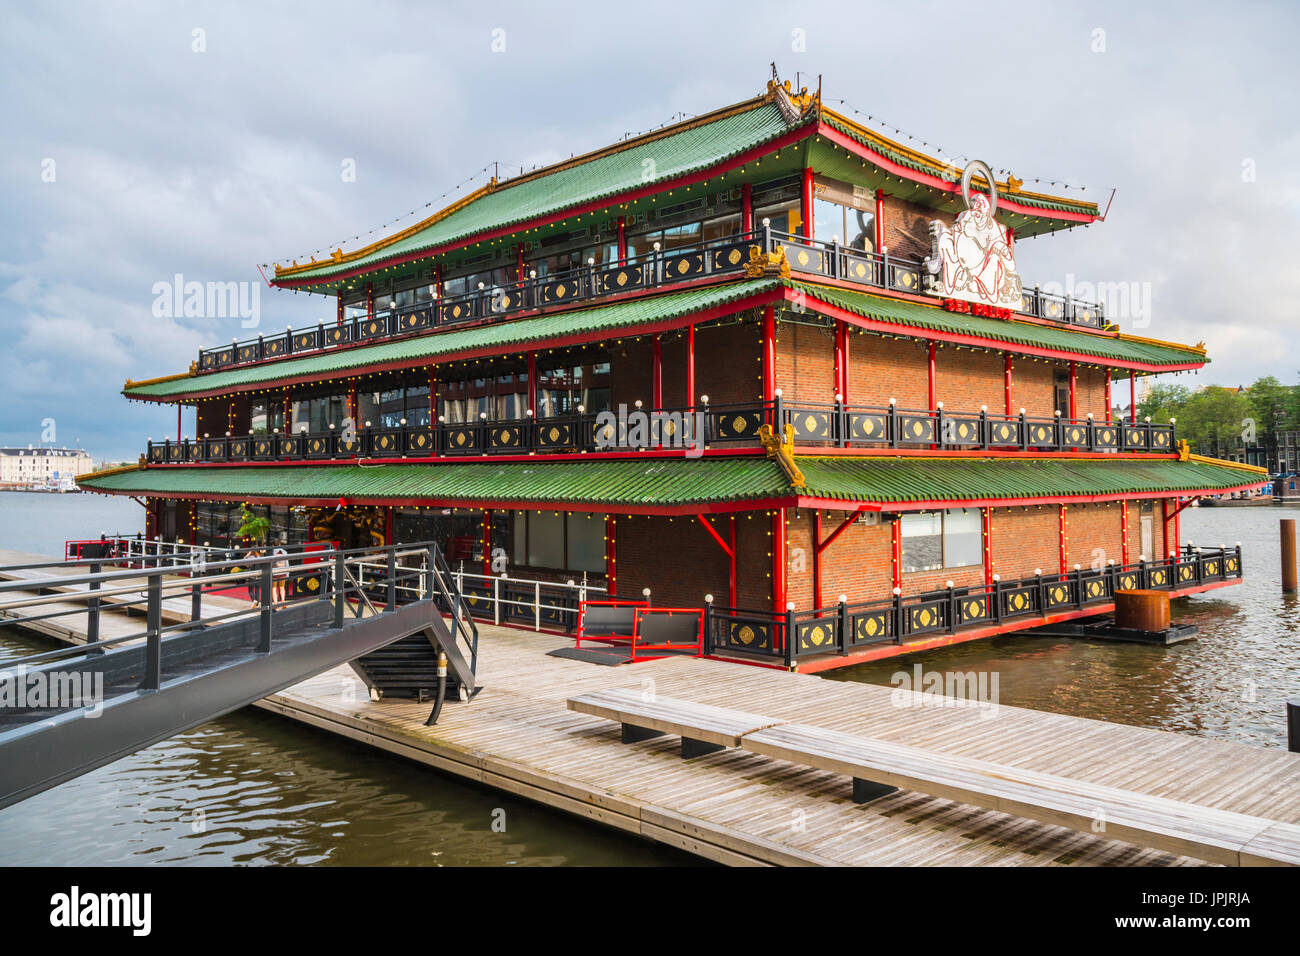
(638, 647)
(607, 638)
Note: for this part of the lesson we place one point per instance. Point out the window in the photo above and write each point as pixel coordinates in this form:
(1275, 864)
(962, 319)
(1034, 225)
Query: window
(942, 539)
(574, 542)
(833, 221)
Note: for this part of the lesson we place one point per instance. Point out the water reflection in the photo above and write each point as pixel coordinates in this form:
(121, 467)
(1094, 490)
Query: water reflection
(1229, 683)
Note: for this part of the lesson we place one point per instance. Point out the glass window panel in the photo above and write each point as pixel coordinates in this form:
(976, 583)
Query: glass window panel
(963, 538)
(520, 556)
(721, 228)
(922, 541)
(586, 543)
(546, 540)
(679, 236)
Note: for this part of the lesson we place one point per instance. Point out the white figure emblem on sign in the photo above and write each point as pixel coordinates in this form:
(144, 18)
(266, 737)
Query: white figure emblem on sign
(973, 260)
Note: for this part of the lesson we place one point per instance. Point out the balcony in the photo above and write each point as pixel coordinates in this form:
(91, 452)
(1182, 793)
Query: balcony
(846, 628)
(720, 258)
(679, 429)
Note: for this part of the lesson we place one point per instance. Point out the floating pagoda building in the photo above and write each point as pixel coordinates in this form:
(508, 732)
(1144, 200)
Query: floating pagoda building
(766, 360)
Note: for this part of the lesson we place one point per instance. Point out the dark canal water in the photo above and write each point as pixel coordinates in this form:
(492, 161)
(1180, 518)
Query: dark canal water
(254, 789)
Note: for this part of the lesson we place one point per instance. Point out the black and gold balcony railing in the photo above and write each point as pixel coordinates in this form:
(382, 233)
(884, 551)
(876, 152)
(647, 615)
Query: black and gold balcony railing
(850, 426)
(897, 619)
(725, 257)
(683, 429)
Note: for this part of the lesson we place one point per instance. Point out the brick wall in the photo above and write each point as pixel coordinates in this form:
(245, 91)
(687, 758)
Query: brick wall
(1023, 539)
(907, 227)
(727, 367)
(881, 369)
(681, 562)
(805, 363)
(966, 379)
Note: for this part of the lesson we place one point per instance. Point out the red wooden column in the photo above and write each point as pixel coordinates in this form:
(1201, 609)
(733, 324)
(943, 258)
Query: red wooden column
(806, 205)
(370, 300)
(438, 281)
(732, 588)
(769, 353)
(846, 336)
(487, 541)
(880, 221)
(1132, 397)
(1164, 528)
(778, 561)
(1074, 390)
(657, 374)
(1123, 532)
(611, 554)
(622, 240)
(746, 209)
(519, 262)
(1062, 537)
(338, 320)
(1108, 412)
(930, 384)
(838, 381)
(1006, 382)
(433, 400)
(288, 413)
(986, 523)
(817, 556)
(896, 551)
(179, 406)
(532, 385)
(690, 367)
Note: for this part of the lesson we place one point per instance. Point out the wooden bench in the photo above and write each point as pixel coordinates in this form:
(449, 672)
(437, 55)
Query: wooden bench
(879, 767)
(703, 729)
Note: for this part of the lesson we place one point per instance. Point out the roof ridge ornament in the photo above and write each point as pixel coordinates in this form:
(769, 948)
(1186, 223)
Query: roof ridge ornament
(762, 263)
(781, 450)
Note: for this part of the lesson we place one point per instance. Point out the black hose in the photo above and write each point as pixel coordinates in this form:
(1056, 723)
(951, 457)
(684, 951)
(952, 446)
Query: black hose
(442, 690)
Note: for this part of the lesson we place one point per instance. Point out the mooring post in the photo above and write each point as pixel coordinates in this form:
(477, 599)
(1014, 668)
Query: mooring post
(1287, 526)
(340, 588)
(92, 612)
(1293, 724)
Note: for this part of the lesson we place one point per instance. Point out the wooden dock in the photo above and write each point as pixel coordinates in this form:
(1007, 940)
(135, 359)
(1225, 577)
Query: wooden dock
(740, 808)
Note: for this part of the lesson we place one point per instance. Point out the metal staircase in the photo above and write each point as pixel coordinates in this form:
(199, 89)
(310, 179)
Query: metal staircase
(68, 711)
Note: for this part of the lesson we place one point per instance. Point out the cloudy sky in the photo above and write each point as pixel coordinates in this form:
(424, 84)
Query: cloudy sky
(144, 140)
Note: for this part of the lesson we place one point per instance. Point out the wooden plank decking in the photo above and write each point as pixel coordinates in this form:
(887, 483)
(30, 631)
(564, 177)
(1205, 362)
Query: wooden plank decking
(743, 808)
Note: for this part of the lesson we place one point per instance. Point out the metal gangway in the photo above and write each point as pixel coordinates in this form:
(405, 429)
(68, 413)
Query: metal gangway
(236, 631)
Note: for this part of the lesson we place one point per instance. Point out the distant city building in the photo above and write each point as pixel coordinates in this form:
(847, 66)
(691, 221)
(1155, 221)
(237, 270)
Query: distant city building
(42, 466)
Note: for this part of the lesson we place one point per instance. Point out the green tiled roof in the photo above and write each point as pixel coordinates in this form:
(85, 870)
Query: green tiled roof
(1029, 334)
(438, 345)
(673, 155)
(667, 482)
(970, 479)
(935, 169)
(647, 482)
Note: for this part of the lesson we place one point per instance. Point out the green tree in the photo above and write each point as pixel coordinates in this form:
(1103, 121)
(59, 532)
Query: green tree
(251, 526)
